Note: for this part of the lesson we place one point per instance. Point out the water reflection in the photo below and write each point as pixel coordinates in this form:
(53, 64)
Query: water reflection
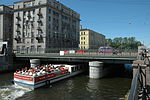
(70, 85)
(92, 85)
(108, 89)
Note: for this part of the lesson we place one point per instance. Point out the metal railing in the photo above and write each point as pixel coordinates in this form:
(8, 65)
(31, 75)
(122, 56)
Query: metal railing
(138, 86)
(77, 52)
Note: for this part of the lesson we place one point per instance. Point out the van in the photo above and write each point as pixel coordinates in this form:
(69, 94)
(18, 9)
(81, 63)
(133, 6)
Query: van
(107, 49)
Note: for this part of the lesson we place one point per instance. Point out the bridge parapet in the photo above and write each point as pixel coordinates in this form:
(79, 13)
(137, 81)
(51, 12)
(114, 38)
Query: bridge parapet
(141, 76)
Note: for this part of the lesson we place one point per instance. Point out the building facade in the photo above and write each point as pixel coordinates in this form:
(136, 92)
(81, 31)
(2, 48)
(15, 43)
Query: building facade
(6, 27)
(41, 25)
(6, 37)
(90, 39)
(6, 24)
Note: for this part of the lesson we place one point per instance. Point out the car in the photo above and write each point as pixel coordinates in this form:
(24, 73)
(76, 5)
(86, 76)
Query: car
(108, 49)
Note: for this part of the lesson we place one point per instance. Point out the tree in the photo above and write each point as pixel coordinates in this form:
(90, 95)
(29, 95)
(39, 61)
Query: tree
(126, 43)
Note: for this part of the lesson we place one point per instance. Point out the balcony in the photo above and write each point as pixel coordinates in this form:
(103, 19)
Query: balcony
(39, 38)
(17, 23)
(39, 21)
(18, 39)
(29, 16)
(39, 14)
(18, 17)
(39, 29)
(27, 21)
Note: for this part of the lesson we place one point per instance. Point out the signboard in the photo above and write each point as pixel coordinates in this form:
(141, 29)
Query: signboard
(62, 53)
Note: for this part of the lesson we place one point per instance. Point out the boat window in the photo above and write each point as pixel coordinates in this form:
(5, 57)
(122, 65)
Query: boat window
(72, 69)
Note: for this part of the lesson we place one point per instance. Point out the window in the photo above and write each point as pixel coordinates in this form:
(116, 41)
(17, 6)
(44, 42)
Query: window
(18, 33)
(23, 40)
(28, 34)
(33, 3)
(39, 2)
(40, 32)
(40, 24)
(18, 6)
(28, 26)
(32, 34)
(18, 49)
(32, 25)
(49, 2)
(32, 49)
(39, 48)
(23, 49)
(33, 11)
(49, 11)
(49, 26)
(33, 18)
(23, 26)
(32, 40)
(49, 18)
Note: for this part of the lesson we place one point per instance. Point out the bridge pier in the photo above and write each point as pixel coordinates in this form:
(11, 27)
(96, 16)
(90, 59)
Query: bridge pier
(96, 69)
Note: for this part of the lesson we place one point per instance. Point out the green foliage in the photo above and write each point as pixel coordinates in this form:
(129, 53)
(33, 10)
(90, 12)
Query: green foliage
(126, 43)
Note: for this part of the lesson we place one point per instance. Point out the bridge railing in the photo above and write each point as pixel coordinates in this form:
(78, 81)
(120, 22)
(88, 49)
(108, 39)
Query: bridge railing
(74, 51)
(134, 86)
(138, 87)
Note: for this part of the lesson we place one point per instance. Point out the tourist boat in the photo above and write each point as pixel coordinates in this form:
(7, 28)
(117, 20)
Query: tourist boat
(44, 75)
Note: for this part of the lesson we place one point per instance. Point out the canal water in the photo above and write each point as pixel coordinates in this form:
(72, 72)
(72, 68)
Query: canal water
(80, 87)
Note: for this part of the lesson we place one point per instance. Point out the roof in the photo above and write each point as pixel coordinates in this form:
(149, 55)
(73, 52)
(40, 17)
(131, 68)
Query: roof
(85, 30)
(23, 1)
(91, 30)
(8, 6)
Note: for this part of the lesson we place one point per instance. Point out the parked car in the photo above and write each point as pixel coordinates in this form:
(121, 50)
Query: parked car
(108, 49)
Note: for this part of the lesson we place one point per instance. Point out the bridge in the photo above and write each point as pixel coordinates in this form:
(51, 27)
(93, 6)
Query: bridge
(121, 58)
(141, 73)
(98, 64)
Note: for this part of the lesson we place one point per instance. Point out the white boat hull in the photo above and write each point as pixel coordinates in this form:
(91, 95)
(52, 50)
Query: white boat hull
(32, 85)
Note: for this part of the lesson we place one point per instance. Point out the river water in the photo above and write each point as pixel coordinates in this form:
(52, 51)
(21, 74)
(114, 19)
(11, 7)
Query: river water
(80, 87)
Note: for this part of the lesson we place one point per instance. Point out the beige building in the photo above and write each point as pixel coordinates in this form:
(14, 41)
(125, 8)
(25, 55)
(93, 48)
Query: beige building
(42, 25)
(91, 40)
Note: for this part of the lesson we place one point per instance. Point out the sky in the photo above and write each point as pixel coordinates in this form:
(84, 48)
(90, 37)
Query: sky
(113, 18)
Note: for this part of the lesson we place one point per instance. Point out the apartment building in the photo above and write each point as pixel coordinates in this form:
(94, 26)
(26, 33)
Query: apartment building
(90, 39)
(6, 26)
(41, 25)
